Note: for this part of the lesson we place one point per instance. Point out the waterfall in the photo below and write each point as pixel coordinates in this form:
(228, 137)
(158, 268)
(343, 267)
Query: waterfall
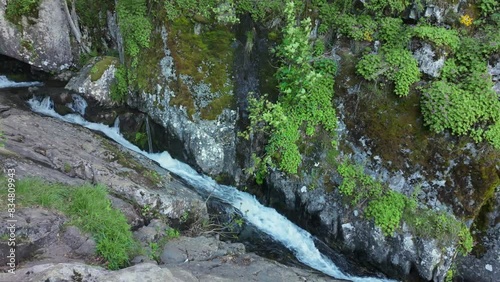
(148, 131)
(268, 220)
(6, 83)
(79, 105)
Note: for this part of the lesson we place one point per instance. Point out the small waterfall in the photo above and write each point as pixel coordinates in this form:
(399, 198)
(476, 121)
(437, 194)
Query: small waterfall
(148, 131)
(298, 240)
(6, 83)
(79, 105)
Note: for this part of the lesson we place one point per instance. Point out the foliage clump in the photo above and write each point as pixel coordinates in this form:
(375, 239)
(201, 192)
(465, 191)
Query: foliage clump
(389, 209)
(305, 101)
(16, 9)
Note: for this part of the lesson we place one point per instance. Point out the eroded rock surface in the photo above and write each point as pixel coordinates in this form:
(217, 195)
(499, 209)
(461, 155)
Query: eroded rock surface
(57, 151)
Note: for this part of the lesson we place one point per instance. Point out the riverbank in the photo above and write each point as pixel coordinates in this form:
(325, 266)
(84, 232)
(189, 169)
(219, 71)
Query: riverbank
(139, 188)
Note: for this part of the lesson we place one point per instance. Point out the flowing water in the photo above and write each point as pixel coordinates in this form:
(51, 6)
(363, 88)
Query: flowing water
(6, 83)
(268, 220)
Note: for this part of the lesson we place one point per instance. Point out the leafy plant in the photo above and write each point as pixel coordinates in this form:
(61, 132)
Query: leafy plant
(16, 9)
(438, 35)
(305, 102)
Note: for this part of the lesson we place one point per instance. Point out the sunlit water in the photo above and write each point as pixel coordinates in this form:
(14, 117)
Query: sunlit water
(268, 220)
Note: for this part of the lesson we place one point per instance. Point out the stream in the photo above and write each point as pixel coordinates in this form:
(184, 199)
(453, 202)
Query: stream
(279, 228)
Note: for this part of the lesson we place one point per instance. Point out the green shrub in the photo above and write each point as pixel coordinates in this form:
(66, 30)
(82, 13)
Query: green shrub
(438, 35)
(370, 66)
(305, 101)
(119, 89)
(16, 9)
(134, 25)
(387, 211)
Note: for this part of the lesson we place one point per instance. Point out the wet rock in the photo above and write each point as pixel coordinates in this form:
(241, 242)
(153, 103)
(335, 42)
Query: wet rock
(95, 79)
(207, 144)
(43, 42)
(77, 152)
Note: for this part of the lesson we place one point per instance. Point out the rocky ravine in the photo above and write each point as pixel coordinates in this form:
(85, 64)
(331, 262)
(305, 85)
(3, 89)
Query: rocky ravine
(56, 151)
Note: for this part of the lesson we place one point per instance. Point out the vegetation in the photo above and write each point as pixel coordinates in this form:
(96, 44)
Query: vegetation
(16, 9)
(305, 102)
(88, 208)
(100, 67)
(389, 209)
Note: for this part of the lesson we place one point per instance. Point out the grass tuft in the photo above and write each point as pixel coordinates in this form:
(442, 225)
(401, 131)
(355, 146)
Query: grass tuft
(88, 208)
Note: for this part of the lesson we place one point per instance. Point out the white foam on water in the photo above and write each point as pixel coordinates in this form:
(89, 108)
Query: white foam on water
(268, 220)
(6, 83)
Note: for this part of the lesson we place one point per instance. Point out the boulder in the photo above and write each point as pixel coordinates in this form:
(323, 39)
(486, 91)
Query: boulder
(94, 80)
(43, 41)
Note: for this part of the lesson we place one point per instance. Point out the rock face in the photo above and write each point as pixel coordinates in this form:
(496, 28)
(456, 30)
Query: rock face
(326, 216)
(209, 144)
(40, 235)
(43, 42)
(483, 264)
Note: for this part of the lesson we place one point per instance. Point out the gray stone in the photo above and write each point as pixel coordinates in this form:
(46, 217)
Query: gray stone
(83, 245)
(427, 61)
(97, 160)
(77, 271)
(133, 218)
(44, 42)
(98, 90)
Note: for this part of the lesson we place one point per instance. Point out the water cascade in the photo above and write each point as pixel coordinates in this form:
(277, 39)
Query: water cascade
(6, 83)
(268, 220)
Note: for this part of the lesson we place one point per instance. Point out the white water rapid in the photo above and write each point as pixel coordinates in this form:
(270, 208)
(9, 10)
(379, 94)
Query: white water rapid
(6, 83)
(268, 220)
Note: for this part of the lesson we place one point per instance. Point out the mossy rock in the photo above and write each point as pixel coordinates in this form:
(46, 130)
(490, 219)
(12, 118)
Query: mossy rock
(215, 108)
(100, 67)
(205, 58)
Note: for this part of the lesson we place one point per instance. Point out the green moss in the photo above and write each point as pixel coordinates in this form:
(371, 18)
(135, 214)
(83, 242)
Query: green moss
(183, 98)
(148, 67)
(206, 58)
(100, 67)
(215, 108)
